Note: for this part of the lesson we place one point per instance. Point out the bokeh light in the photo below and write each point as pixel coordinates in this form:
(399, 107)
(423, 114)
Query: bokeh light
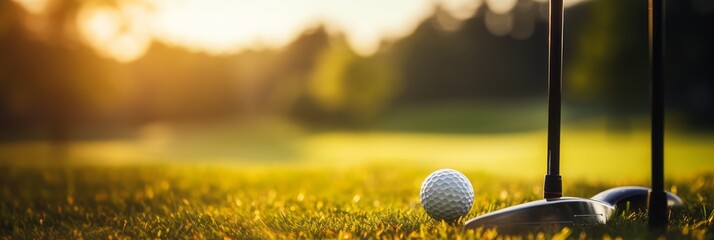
(122, 34)
(501, 6)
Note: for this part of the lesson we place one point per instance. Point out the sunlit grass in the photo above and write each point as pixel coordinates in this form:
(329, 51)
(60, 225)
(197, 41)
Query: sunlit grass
(328, 185)
(369, 201)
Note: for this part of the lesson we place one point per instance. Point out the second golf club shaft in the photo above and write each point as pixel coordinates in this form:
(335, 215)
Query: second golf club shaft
(658, 199)
(553, 183)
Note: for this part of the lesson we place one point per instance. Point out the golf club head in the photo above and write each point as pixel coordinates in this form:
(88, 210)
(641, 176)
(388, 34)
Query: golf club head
(558, 212)
(634, 198)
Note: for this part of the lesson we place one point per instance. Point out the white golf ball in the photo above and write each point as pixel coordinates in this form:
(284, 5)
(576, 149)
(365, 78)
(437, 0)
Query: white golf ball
(447, 195)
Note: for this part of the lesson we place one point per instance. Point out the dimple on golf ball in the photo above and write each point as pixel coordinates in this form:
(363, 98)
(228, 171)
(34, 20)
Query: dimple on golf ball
(446, 194)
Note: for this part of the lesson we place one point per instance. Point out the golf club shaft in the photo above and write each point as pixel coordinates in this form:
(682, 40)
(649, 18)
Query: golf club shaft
(658, 200)
(553, 186)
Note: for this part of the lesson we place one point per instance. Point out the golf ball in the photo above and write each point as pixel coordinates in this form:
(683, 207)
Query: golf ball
(446, 194)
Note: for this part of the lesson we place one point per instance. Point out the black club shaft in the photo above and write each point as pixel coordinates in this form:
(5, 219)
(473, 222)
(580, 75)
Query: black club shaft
(658, 199)
(553, 184)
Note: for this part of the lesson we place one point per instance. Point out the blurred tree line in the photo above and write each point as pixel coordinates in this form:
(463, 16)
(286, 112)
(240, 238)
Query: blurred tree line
(606, 63)
(51, 83)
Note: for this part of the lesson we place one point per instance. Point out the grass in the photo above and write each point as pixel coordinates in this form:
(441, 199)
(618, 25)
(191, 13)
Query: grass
(175, 201)
(174, 183)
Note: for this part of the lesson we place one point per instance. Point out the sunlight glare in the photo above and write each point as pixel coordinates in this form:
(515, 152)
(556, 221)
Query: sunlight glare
(225, 27)
(366, 23)
(125, 30)
(219, 26)
(33, 6)
(116, 33)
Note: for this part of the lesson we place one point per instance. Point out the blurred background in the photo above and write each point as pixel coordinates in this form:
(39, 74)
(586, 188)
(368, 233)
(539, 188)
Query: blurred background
(443, 83)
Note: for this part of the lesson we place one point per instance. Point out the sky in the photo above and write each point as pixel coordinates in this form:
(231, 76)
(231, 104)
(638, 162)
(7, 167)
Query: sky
(126, 31)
